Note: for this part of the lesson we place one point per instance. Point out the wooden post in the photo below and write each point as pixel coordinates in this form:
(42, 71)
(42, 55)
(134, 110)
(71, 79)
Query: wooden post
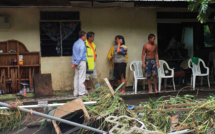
(109, 86)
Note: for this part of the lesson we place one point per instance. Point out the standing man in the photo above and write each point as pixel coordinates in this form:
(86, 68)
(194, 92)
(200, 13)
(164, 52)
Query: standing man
(151, 62)
(79, 63)
(91, 59)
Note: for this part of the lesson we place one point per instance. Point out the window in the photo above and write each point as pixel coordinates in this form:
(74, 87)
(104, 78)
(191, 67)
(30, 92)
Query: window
(58, 32)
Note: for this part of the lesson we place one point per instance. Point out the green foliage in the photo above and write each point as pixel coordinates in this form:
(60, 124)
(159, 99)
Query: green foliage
(202, 6)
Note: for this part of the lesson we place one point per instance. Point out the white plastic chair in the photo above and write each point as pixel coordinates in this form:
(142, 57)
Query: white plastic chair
(161, 74)
(196, 70)
(138, 74)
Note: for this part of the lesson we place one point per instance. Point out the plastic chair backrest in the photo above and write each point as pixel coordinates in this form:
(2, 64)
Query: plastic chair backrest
(137, 68)
(161, 68)
(196, 67)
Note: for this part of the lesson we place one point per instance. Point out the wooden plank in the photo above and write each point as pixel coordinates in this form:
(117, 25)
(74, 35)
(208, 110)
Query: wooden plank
(15, 82)
(43, 84)
(183, 105)
(109, 86)
(4, 82)
(68, 108)
(178, 109)
(18, 73)
(30, 81)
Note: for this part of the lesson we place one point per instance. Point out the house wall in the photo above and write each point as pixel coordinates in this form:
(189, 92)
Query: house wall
(133, 23)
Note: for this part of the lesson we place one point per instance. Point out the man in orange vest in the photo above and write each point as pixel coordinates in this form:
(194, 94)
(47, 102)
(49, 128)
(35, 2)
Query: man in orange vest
(91, 59)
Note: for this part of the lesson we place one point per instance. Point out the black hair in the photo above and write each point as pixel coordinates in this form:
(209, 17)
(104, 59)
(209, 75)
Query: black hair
(121, 37)
(90, 34)
(81, 33)
(151, 36)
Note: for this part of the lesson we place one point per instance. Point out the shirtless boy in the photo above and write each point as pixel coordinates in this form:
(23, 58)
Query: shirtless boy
(151, 62)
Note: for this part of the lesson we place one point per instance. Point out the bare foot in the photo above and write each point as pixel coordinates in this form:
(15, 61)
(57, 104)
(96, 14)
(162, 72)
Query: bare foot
(156, 91)
(123, 91)
(150, 92)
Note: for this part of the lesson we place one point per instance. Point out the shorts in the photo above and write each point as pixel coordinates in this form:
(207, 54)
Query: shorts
(151, 68)
(92, 75)
(111, 74)
(119, 69)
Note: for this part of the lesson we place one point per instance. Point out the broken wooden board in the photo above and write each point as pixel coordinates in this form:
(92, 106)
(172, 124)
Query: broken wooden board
(68, 108)
(109, 86)
(43, 85)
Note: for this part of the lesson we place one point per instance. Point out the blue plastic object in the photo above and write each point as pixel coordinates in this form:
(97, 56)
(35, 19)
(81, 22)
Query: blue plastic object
(97, 85)
(139, 119)
(130, 107)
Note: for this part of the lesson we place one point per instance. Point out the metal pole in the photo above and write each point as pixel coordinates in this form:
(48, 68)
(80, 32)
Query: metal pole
(49, 105)
(55, 118)
(182, 131)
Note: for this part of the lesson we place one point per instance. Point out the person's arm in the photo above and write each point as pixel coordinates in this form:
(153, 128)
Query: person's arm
(143, 56)
(95, 51)
(73, 56)
(118, 50)
(157, 57)
(110, 53)
(80, 53)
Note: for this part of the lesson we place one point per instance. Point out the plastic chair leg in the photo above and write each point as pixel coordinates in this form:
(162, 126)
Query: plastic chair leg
(208, 82)
(135, 86)
(173, 82)
(194, 82)
(159, 83)
(201, 80)
(165, 83)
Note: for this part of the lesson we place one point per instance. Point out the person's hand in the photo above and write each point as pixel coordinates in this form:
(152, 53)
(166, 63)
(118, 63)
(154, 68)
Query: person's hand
(118, 41)
(158, 65)
(111, 58)
(144, 65)
(112, 65)
(73, 65)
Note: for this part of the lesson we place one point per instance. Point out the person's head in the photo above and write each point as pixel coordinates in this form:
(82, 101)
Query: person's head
(90, 36)
(120, 37)
(82, 35)
(151, 38)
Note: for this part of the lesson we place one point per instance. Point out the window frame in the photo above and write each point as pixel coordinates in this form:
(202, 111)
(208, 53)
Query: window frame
(61, 41)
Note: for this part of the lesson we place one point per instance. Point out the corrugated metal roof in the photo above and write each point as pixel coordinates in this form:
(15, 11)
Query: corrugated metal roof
(135, 0)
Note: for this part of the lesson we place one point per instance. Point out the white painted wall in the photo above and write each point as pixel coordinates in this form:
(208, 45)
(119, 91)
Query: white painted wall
(133, 23)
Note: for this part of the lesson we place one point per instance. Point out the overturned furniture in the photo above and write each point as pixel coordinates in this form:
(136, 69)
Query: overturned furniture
(74, 111)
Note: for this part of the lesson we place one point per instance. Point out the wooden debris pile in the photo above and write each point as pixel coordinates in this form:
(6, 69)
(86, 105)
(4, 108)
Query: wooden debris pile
(10, 119)
(179, 113)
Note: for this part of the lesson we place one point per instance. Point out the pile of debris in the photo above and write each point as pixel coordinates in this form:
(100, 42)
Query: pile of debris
(179, 113)
(10, 119)
(160, 116)
(112, 115)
